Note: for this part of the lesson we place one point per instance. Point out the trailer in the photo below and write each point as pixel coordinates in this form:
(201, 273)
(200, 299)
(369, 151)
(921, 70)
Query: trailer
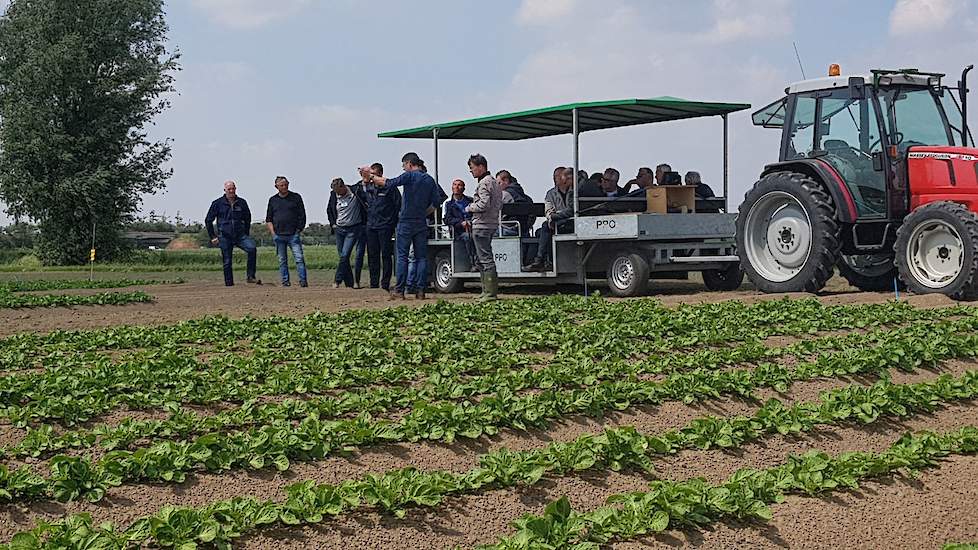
(626, 241)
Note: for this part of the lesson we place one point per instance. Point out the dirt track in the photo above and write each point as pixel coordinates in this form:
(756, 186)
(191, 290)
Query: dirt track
(205, 294)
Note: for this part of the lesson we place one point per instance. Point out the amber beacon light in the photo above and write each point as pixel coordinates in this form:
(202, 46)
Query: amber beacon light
(834, 70)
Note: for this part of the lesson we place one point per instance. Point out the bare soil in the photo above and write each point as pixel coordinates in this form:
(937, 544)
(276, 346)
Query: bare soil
(208, 296)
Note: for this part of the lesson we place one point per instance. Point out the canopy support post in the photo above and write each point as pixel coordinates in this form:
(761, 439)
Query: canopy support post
(577, 158)
(726, 165)
(434, 136)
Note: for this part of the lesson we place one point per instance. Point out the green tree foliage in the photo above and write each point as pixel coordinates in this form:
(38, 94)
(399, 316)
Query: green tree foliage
(79, 83)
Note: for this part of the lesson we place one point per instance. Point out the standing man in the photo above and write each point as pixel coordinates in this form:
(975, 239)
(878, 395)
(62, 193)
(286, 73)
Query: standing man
(233, 219)
(383, 205)
(559, 211)
(485, 207)
(347, 213)
(421, 197)
(286, 218)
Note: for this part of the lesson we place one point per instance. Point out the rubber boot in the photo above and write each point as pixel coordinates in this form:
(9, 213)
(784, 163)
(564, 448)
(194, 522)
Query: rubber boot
(490, 287)
(482, 282)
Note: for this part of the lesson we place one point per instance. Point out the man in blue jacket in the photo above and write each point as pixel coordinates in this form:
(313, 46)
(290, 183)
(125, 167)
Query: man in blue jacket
(422, 196)
(383, 206)
(233, 219)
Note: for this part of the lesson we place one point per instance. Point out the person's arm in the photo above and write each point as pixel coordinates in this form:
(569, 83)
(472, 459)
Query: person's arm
(397, 204)
(331, 213)
(269, 215)
(549, 208)
(247, 215)
(483, 196)
(302, 215)
(209, 221)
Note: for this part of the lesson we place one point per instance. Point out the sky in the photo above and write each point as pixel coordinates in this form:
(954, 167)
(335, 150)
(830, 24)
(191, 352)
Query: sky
(302, 87)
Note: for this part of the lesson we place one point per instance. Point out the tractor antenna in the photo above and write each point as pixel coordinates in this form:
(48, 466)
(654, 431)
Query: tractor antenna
(798, 57)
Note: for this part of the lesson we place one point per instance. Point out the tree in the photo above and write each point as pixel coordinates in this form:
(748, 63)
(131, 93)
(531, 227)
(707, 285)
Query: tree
(80, 82)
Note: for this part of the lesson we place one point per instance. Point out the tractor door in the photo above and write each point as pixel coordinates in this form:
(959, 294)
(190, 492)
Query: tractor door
(848, 138)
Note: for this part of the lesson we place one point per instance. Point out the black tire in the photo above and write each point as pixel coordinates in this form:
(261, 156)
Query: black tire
(963, 286)
(870, 275)
(632, 277)
(723, 280)
(443, 284)
(818, 265)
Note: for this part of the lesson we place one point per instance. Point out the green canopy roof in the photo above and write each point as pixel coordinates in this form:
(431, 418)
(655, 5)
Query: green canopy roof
(552, 121)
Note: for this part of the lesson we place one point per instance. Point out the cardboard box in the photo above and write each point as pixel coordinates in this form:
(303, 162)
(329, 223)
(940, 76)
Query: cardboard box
(662, 198)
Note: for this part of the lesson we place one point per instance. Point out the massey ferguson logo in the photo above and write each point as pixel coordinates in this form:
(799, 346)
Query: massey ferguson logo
(944, 156)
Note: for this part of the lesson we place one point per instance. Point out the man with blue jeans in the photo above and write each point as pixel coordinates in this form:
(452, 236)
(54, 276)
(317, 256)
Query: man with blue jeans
(233, 219)
(347, 213)
(286, 218)
(421, 197)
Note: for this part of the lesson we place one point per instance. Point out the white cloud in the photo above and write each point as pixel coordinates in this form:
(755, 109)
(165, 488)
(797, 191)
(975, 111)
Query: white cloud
(249, 14)
(542, 12)
(741, 19)
(915, 16)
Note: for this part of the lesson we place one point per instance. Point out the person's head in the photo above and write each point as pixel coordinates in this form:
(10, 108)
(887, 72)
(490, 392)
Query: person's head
(411, 162)
(559, 174)
(282, 185)
(644, 171)
(377, 169)
(339, 187)
(693, 178)
(566, 181)
(504, 178)
(230, 190)
(609, 180)
(646, 177)
(660, 172)
(595, 178)
(478, 166)
(458, 188)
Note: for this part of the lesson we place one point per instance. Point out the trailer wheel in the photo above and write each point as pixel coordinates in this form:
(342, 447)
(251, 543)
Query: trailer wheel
(723, 280)
(628, 275)
(869, 272)
(445, 282)
(936, 250)
(787, 234)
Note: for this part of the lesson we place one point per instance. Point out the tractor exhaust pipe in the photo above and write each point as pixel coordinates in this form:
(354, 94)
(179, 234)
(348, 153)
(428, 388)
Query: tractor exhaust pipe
(963, 92)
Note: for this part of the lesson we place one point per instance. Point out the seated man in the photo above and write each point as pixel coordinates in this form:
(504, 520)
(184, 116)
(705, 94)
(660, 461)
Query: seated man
(644, 176)
(559, 211)
(609, 184)
(513, 194)
(703, 191)
(660, 173)
(591, 187)
(455, 215)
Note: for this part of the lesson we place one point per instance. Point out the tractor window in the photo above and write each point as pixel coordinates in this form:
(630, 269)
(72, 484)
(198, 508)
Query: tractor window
(952, 110)
(913, 116)
(801, 141)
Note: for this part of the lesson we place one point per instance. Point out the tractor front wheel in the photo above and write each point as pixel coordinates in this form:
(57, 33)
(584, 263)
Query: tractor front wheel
(937, 250)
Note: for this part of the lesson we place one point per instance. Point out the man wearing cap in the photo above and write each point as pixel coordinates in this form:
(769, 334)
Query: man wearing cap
(421, 197)
(233, 219)
(488, 201)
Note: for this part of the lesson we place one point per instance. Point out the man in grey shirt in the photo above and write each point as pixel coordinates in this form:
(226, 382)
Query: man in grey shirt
(485, 207)
(347, 213)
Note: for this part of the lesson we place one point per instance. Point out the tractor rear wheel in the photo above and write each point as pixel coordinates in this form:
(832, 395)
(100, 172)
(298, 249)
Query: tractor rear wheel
(937, 250)
(788, 238)
(869, 272)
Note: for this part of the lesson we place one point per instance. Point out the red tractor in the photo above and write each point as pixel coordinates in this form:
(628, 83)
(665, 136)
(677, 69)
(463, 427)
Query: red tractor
(878, 176)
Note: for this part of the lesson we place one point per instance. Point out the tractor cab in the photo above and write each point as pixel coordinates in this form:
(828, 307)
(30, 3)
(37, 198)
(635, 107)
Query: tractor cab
(867, 151)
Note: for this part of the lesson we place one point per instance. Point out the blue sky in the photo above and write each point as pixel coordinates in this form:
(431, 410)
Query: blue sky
(301, 87)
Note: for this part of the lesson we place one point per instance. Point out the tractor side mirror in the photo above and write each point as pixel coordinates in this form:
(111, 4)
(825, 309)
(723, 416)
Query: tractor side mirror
(857, 87)
(878, 159)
